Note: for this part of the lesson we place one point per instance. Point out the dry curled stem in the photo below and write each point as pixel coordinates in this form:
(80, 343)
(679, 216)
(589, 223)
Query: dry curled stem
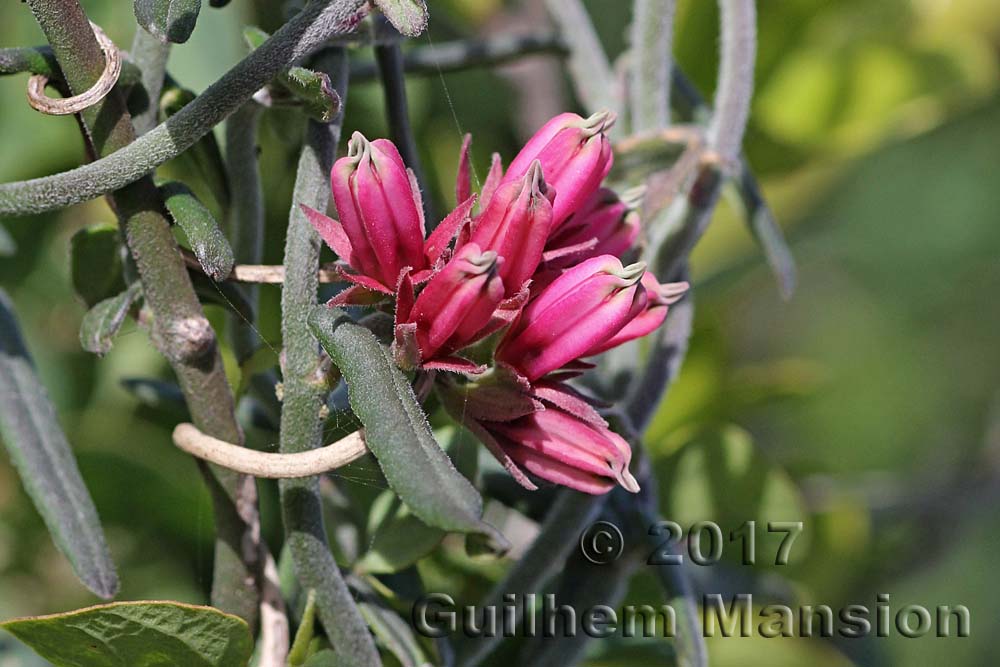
(268, 464)
(88, 98)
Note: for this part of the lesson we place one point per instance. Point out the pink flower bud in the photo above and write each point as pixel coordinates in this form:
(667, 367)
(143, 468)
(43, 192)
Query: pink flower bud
(604, 225)
(561, 448)
(515, 225)
(661, 297)
(578, 311)
(575, 155)
(457, 303)
(379, 210)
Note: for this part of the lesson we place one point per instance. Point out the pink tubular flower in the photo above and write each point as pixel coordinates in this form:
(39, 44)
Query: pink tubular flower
(661, 297)
(578, 311)
(559, 447)
(575, 155)
(381, 228)
(604, 225)
(452, 311)
(515, 225)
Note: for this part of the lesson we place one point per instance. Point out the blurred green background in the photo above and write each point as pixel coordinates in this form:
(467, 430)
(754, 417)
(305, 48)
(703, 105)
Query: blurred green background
(867, 406)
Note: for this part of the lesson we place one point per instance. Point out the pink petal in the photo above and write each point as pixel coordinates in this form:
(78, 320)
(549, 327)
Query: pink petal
(463, 184)
(443, 234)
(455, 365)
(331, 232)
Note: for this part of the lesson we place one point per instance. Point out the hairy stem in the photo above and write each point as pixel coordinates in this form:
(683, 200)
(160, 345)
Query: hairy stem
(306, 31)
(735, 86)
(305, 392)
(651, 35)
(180, 329)
(588, 63)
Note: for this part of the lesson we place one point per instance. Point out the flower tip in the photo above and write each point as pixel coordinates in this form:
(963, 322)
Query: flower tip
(357, 145)
(600, 121)
(488, 260)
(534, 175)
(633, 272)
(627, 481)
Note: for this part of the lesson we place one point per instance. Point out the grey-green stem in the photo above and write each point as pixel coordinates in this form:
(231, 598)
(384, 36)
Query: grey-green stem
(303, 34)
(179, 329)
(735, 87)
(304, 392)
(588, 64)
(651, 35)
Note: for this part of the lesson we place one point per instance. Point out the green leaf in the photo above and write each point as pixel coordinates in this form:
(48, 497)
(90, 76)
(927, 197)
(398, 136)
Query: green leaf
(397, 431)
(138, 634)
(42, 456)
(313, 89)
(7, 244)
(254, 36)
(102, 322)
(409, 17)
(95, 262)
(207, 241)
(298, 654)
(169, 20)
(398, 538)
(324, 658)
(320, 101)
(391, 631)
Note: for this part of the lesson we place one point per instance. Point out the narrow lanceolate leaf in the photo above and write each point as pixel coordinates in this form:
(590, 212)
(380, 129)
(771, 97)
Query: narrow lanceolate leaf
(138, 633)
(169, 20)
(102, 322)
(313, 89)
(7, 245)
(391, 632)
(39, 450)
(319, 100)
(207, 241)
(299, 652)
(95, 262)
(766, 230)
(397, 431)
(409, 17)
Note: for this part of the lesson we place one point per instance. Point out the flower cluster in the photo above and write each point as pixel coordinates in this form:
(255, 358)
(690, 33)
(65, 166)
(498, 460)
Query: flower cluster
(509, 293)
